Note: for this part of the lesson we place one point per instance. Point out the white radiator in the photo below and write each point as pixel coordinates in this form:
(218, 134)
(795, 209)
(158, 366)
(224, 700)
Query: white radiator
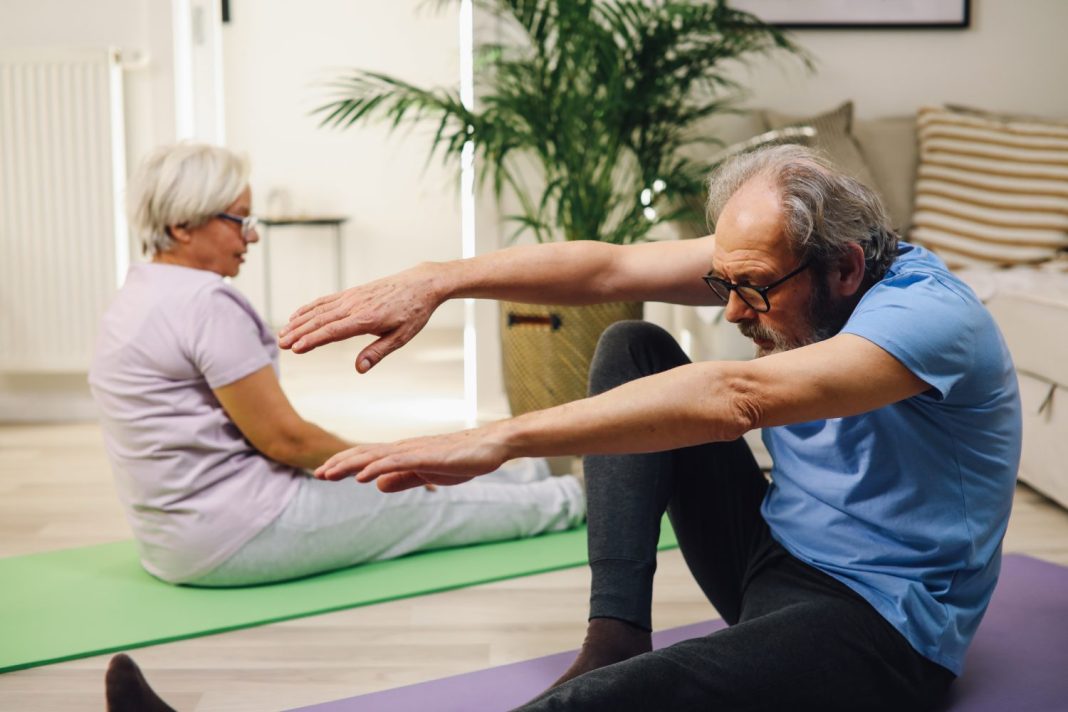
(64, 245)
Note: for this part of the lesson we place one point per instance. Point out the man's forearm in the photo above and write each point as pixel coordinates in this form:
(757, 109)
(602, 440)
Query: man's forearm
(717, 401)
(685, 406)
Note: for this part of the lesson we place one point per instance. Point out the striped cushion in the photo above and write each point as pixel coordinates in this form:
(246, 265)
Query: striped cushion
(1004, 116)
(990, 192)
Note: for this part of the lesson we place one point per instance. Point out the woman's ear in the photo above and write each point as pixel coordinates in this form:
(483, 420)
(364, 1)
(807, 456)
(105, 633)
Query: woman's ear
(848, 273)
(179, 233)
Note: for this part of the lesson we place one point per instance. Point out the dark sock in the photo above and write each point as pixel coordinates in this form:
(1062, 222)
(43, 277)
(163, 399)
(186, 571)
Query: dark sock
(608, 641)
(127, 690)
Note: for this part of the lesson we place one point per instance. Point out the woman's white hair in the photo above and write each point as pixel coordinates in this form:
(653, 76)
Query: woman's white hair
(183, 184)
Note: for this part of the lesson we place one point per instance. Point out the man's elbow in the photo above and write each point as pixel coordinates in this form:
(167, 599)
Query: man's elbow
(739, 408)
(744, 414)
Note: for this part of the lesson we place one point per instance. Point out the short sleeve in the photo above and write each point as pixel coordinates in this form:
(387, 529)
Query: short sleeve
(226, 338)
(925, 323)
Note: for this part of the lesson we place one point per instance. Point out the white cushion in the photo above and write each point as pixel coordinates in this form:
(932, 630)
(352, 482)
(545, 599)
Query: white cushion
(1036, 329)
(1045, 450)
(1031, 308)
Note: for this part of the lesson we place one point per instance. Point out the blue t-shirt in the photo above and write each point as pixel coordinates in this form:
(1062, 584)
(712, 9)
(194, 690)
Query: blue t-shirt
(907, 505)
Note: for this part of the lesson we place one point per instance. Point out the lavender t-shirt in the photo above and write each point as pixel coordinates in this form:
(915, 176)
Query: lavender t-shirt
(194, 489)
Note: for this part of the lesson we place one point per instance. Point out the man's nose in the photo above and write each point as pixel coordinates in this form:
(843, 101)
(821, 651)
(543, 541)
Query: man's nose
(253, 235)
(737, 310)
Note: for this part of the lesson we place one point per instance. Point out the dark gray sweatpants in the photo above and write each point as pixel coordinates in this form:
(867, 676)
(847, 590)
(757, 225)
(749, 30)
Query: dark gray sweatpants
(797, 638)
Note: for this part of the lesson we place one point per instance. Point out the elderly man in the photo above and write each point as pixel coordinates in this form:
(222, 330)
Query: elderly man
(854, 579)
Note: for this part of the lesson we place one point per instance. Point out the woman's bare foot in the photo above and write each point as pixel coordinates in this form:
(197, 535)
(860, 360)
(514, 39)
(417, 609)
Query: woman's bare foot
(127, 690)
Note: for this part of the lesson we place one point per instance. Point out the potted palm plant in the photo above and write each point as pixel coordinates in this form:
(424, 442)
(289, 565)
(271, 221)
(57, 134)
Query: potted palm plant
(594, 103)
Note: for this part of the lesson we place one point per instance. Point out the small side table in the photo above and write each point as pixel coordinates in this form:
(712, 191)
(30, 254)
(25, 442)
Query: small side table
(267, 225)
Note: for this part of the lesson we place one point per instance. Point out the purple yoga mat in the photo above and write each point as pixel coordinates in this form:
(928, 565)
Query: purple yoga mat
(493, 689)
(1017, 663)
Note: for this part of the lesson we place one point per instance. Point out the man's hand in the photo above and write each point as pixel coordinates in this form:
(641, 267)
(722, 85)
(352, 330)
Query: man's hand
(394, 309)
(438, 460)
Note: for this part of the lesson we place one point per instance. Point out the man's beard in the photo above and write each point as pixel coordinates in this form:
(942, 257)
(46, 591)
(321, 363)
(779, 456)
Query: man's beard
(825, 316)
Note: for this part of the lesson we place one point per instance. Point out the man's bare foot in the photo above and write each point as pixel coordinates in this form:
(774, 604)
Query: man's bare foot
(127, 690)
(608, 641)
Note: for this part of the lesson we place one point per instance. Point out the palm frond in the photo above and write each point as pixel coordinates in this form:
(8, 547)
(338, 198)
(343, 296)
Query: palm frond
(601, 95)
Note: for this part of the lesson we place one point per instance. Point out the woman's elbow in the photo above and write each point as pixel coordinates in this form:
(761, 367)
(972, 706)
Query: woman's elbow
(283, 447)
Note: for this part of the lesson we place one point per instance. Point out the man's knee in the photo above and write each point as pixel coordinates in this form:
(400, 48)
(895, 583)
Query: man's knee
(632, 331)
(629, 350)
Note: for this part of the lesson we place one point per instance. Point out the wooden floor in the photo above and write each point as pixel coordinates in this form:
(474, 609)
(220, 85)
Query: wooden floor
(56, 492)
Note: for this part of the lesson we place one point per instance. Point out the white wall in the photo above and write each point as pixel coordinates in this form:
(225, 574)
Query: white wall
(1012, 58)
(401, 210)
(145, 33)
(134, 26)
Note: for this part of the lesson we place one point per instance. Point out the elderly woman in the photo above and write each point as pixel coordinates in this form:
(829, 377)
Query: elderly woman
(209, 456)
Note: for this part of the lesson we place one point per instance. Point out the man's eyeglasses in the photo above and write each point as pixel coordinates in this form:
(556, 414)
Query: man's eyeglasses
(756, 298)
(247, 223)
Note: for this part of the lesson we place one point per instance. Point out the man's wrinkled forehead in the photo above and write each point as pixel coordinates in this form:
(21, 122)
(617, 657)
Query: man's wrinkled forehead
(750, 236)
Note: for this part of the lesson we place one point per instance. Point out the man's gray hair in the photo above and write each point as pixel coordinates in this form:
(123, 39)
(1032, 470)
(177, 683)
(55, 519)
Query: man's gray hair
(823, 208)
(182, 184)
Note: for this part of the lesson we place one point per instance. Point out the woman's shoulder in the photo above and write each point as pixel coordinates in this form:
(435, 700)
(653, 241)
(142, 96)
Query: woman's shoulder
(183, 294)
(198, 290)
(155, 281)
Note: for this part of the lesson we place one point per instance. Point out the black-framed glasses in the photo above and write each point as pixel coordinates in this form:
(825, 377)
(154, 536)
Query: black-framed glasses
(248, 223)
(756, 298)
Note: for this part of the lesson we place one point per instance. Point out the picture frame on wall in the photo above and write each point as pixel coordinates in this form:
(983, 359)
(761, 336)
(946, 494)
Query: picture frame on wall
(852, 14)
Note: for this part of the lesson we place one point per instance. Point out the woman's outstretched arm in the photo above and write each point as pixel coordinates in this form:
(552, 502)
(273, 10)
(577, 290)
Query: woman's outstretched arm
(263, 414)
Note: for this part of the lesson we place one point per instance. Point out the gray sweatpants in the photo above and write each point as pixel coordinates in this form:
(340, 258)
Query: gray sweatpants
(331, 525)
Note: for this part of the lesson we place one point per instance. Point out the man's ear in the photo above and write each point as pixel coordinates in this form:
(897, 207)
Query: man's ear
(848, 272)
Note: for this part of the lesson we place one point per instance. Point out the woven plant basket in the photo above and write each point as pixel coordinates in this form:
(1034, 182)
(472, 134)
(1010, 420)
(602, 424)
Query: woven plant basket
(546, 351)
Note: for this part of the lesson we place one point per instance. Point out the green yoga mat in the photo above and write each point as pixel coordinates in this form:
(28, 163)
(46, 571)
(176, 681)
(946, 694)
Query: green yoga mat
(74, 603)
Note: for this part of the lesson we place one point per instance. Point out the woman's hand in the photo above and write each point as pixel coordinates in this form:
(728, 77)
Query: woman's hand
(394, 308)
(438, 460)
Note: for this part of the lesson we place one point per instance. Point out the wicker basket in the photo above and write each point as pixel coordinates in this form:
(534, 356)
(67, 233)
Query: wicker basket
(547, 350)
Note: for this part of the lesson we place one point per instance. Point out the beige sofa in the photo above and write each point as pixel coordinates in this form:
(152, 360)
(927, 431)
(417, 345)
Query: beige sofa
(1030, 305)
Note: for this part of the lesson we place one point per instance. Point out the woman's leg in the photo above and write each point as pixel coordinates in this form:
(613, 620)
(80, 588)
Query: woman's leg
(331, 525)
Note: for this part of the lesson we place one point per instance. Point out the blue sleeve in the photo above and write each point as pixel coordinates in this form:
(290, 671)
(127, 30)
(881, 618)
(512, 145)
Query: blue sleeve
(926, 323)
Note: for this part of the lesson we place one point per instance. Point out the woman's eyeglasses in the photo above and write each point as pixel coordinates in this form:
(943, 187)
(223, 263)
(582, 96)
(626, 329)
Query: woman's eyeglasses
(247, 223)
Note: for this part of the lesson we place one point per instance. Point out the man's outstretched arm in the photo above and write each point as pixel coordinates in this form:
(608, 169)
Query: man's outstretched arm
(689, 405)
(396, 308)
